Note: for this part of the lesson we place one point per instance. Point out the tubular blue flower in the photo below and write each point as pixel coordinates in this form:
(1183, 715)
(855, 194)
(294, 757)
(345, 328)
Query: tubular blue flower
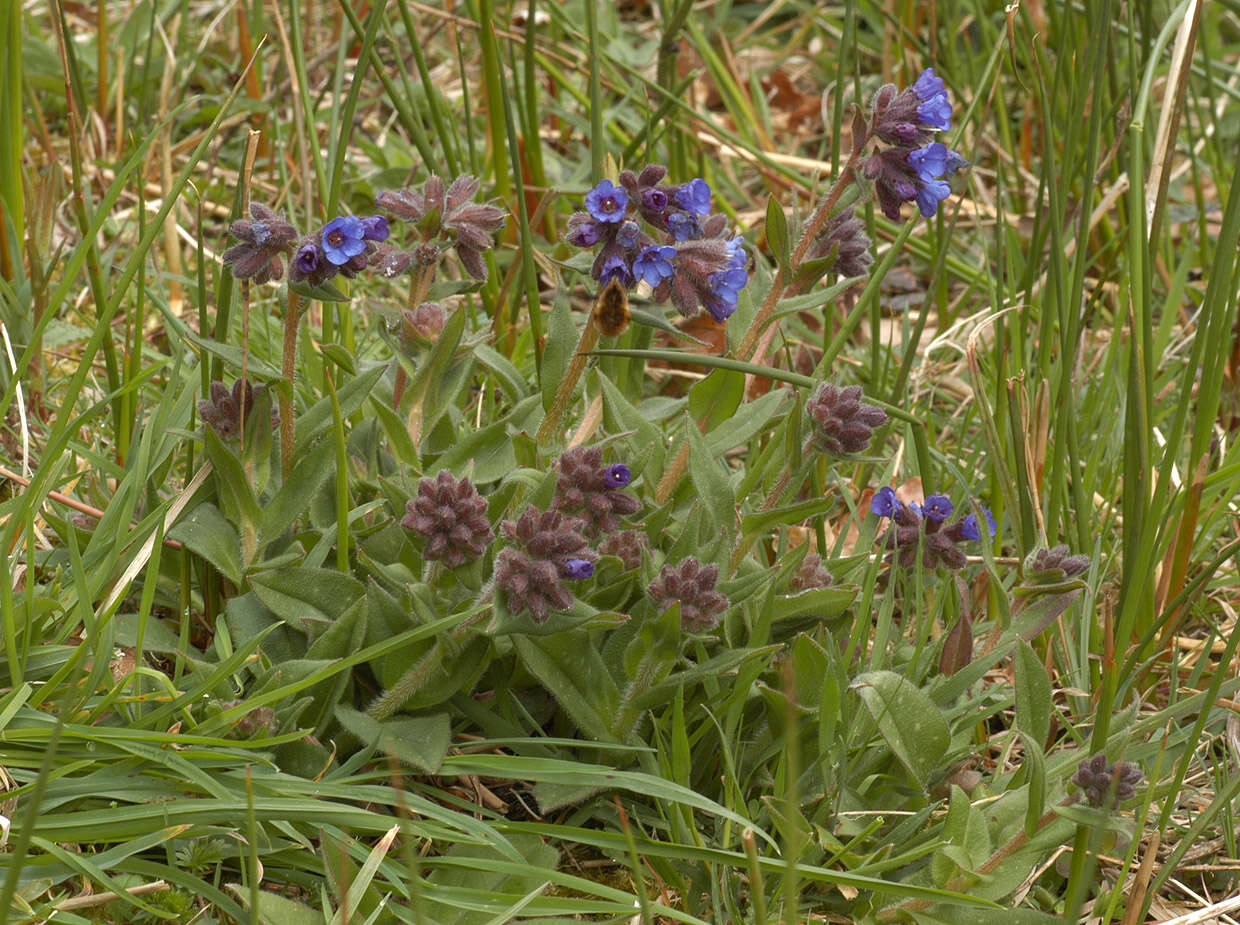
(654, 264)
(969, 527)
(930, 195)
(617, 475)
(694, 196)
(343, 239)
(934, 110)
(937, 508)
(577, 569)
(885, 503)
(930, 161)
(616, 267)
(607, 202)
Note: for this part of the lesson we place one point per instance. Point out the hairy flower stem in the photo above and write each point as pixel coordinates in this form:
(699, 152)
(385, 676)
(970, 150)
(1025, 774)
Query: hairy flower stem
(292, 315)
(630, 712)
(564, 394)
(424, 669)
(418, 291)
(745, 541)
(749, 347)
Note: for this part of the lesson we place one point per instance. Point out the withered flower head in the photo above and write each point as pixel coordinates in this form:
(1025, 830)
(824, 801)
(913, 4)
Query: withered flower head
(810, 574)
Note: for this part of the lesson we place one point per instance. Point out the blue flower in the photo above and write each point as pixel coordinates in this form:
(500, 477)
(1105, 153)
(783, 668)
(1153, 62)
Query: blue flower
(583, 231)
(654, 264)
(576, 569)
(885, 503)
(725, 288)
(607, 202)
(930, 162)
(616, 267)
(694, 196)
(617, 475)
(935, 110)
(343, 239)
(683, 226)
(930, 195)
(969, 529)
(937, 508)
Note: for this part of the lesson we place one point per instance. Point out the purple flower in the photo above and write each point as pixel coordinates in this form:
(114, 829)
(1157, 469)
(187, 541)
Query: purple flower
(607, 202)
(930, 162)
(308, 258)
(937, 508)
(654, 264)
(885, 503)
(683, 227)
(375, 228)
(617, 475)
(615, 266)
(694, 196)
(343, 239)
(583, 231)
(577, 569)
(654, 199)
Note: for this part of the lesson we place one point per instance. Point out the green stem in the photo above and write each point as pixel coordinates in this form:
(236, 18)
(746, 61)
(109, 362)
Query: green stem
(292, 315)
(426, 667)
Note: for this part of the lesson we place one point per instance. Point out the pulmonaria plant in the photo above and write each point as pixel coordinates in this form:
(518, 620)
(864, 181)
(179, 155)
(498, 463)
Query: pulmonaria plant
(593, 492)
(926, 524)
(810, 575)
(693, 585)
(1048, 566)
(627, 546)
(452, 516)
(913, 167)
(665, 236)
(546, 549)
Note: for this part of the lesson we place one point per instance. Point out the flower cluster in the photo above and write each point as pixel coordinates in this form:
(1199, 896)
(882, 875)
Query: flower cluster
(926, 524)
(265, 238)
(843, 423)
(591, 491)
(346, 244)
(665, 236)
(810, 575)
(445, 216)
(1055, 564)
(226, 409)
(1107, 785)
(546, 548)
(452, 516)
(914, 167)
(627, 546)
(693, 584)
